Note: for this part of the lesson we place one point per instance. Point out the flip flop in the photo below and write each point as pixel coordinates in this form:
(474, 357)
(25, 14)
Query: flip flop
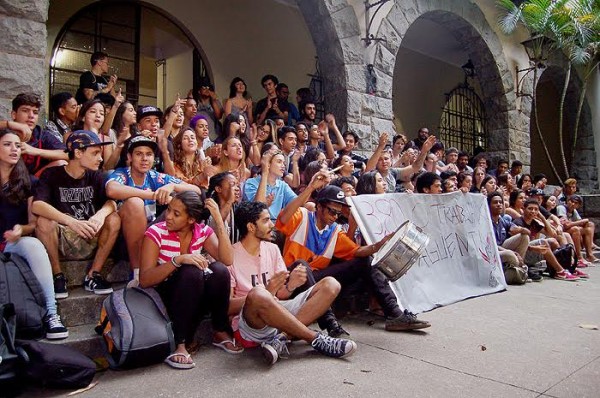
(223, 345)
(178, 365)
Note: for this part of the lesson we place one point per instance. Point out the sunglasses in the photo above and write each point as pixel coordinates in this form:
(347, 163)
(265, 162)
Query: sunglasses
(333, 212)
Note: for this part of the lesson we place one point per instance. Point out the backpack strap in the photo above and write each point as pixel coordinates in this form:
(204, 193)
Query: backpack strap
(30, 279)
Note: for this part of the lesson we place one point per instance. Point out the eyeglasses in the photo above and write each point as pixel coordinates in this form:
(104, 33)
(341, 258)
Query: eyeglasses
(333, 212)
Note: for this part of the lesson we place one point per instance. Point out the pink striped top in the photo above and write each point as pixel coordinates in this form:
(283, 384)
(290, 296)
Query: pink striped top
(168, 242)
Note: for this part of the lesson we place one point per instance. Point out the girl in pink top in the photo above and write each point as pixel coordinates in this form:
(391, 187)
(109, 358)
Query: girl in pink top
(173, 262)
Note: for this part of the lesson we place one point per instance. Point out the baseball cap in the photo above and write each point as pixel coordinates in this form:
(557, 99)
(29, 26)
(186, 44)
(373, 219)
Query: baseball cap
(576, 198)
(148, 110)
(535, 191)
(332, 193)
(141, 140)
(81, 139)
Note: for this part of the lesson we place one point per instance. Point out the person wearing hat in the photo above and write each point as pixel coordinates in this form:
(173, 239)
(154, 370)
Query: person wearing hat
(148, 124)
(75, 216)
(581, 229)
(139, 188)
(316, 237)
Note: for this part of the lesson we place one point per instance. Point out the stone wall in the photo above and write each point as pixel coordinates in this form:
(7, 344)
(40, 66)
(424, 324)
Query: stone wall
(22, 49)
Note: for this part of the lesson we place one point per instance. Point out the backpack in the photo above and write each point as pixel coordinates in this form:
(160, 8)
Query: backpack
(565, 255)
(18, 285)
(136, 328)
(11, 358)
(57, 365)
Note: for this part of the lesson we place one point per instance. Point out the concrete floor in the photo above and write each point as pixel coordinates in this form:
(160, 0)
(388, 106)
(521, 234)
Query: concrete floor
(525, 342)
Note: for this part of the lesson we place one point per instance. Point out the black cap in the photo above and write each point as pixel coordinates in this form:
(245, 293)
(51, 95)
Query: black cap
(535, 191)
(141, 140)
(81, 139)
(148, 110)
(332, 193)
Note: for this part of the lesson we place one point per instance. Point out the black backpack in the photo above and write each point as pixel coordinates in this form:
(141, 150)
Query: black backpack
(18, 285)
(11, 357)
(565, 255)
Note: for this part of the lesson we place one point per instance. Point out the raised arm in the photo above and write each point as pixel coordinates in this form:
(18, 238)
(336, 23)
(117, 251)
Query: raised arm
(340, 144)
(318, 181)
(218, 245)
(372, 163)
(408, 171)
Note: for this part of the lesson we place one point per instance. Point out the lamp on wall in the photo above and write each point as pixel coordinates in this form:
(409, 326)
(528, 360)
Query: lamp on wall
(537, 48)
(370, 37)
(469, 70)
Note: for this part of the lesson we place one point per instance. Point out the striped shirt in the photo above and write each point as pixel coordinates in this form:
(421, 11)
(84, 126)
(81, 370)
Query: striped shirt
(169, 244)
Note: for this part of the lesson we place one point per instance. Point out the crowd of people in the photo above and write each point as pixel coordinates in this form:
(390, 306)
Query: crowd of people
(239, 210)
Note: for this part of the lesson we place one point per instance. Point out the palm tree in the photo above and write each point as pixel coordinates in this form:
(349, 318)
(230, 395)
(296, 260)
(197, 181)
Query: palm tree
(572, 25)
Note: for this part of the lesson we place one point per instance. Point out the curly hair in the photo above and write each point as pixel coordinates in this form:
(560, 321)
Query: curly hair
(188, 170)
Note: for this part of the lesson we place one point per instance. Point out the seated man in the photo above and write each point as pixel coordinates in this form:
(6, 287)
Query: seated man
(74, 215)
(581, 229)
(317, 238)
(42, 149)
(429, 182)
(540, 248)
(65, 110)
(512, 249)
(262, 288)
(139, 188)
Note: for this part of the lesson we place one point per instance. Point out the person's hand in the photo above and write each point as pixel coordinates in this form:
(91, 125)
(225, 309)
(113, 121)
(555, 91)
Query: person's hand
(557, 191)
(213, 95)
(162, 141)
(323, 129)
(521, 262)
(453, 167)
(428, 144)
(277, 282)
(27, 149)
(484, 191)
(253, 133)
(178, 104)
(195, 259)
(330, 119)
(146, 133)
(464, 189)
(96, 222)
(14, 234)
(296, 155)
(82, 228)
(383, 139)
(382, 242)
(265, 162)
(119, 98)
(215, 151)
(298, 277)
(270, 198)
(319, 180)
(22, 130)
(212, 207)
(163, 194)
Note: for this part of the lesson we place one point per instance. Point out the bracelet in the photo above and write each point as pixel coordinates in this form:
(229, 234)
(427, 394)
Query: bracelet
(288, 288)
(175, 263)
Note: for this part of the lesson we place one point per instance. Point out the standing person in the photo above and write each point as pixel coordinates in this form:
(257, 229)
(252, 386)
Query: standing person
(174, 261)
(270, 304)
(64, 109)
(422, 136)
(315, 235)
(93, 82)
(75, 217)
(17, 222)
(283, 93)
(269, 107)
(210, 107)
(239, 102)
(308, 111)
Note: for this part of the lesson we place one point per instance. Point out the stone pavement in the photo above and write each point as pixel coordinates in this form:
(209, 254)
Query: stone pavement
(525, 342)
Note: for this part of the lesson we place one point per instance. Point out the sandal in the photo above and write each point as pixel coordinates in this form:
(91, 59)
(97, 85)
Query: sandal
(180, 365)
(223, 345)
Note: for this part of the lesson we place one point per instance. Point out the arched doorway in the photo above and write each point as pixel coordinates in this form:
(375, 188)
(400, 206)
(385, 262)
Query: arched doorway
(143, 43)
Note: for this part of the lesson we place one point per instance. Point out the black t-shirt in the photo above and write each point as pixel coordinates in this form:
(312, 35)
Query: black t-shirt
(271, 114)
(91, 81)
(534, 228)
(80, 198)
(13, 214)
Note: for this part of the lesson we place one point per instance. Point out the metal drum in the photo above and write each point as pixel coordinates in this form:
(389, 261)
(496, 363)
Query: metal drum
(399, 253)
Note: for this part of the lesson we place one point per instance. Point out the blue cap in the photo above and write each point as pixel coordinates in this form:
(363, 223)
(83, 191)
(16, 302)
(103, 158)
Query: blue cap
(81, 139)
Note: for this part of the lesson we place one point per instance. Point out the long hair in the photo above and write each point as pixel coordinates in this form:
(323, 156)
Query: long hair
(18, 188)
(193, 203)
(188, 170)
(366, 183)
(225, 164)
(119, 122)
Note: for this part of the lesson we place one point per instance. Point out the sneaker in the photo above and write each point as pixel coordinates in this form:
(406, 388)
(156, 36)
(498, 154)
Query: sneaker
(336, 330)
(97, 284)
(565, 275)
(581, 263)
(535, 277)
(333, 347)
(580, 274)
(60, 286)
(54, 328)
(275, 349)
(406, 321)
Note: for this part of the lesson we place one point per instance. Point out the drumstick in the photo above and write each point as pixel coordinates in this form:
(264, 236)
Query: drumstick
(336, 169)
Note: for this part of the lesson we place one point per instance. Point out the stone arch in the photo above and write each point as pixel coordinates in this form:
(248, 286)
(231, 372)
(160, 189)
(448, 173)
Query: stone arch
(507, 129)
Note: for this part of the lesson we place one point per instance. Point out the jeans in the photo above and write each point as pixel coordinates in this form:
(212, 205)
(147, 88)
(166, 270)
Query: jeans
(34, 252)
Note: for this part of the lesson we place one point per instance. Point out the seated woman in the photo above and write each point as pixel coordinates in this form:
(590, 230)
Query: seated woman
(516, 202)
(465, 181)
(233, 159)
(91, 118)
(344, 166)
(18, 221)
(525, 182)
(478, 176)
(189, 163)
(224, 189)
(124, 127)
(173, 120)
(173, 261)
(488, 185)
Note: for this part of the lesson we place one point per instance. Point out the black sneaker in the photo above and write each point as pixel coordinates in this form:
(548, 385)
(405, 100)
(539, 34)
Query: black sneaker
(535, 276)
(54, 328)
(336, 330)
(97, 284)
(333, 347)
(60, 286)
(275, 349)
(406, 321)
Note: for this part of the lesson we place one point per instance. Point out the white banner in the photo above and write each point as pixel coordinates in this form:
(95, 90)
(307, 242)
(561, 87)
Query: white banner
(461, 260)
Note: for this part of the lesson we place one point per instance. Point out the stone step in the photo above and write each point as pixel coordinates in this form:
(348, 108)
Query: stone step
(75, 271)
(82, 307)
(84, 339)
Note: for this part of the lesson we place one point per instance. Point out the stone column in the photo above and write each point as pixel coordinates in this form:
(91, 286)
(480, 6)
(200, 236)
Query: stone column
(23, 65)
